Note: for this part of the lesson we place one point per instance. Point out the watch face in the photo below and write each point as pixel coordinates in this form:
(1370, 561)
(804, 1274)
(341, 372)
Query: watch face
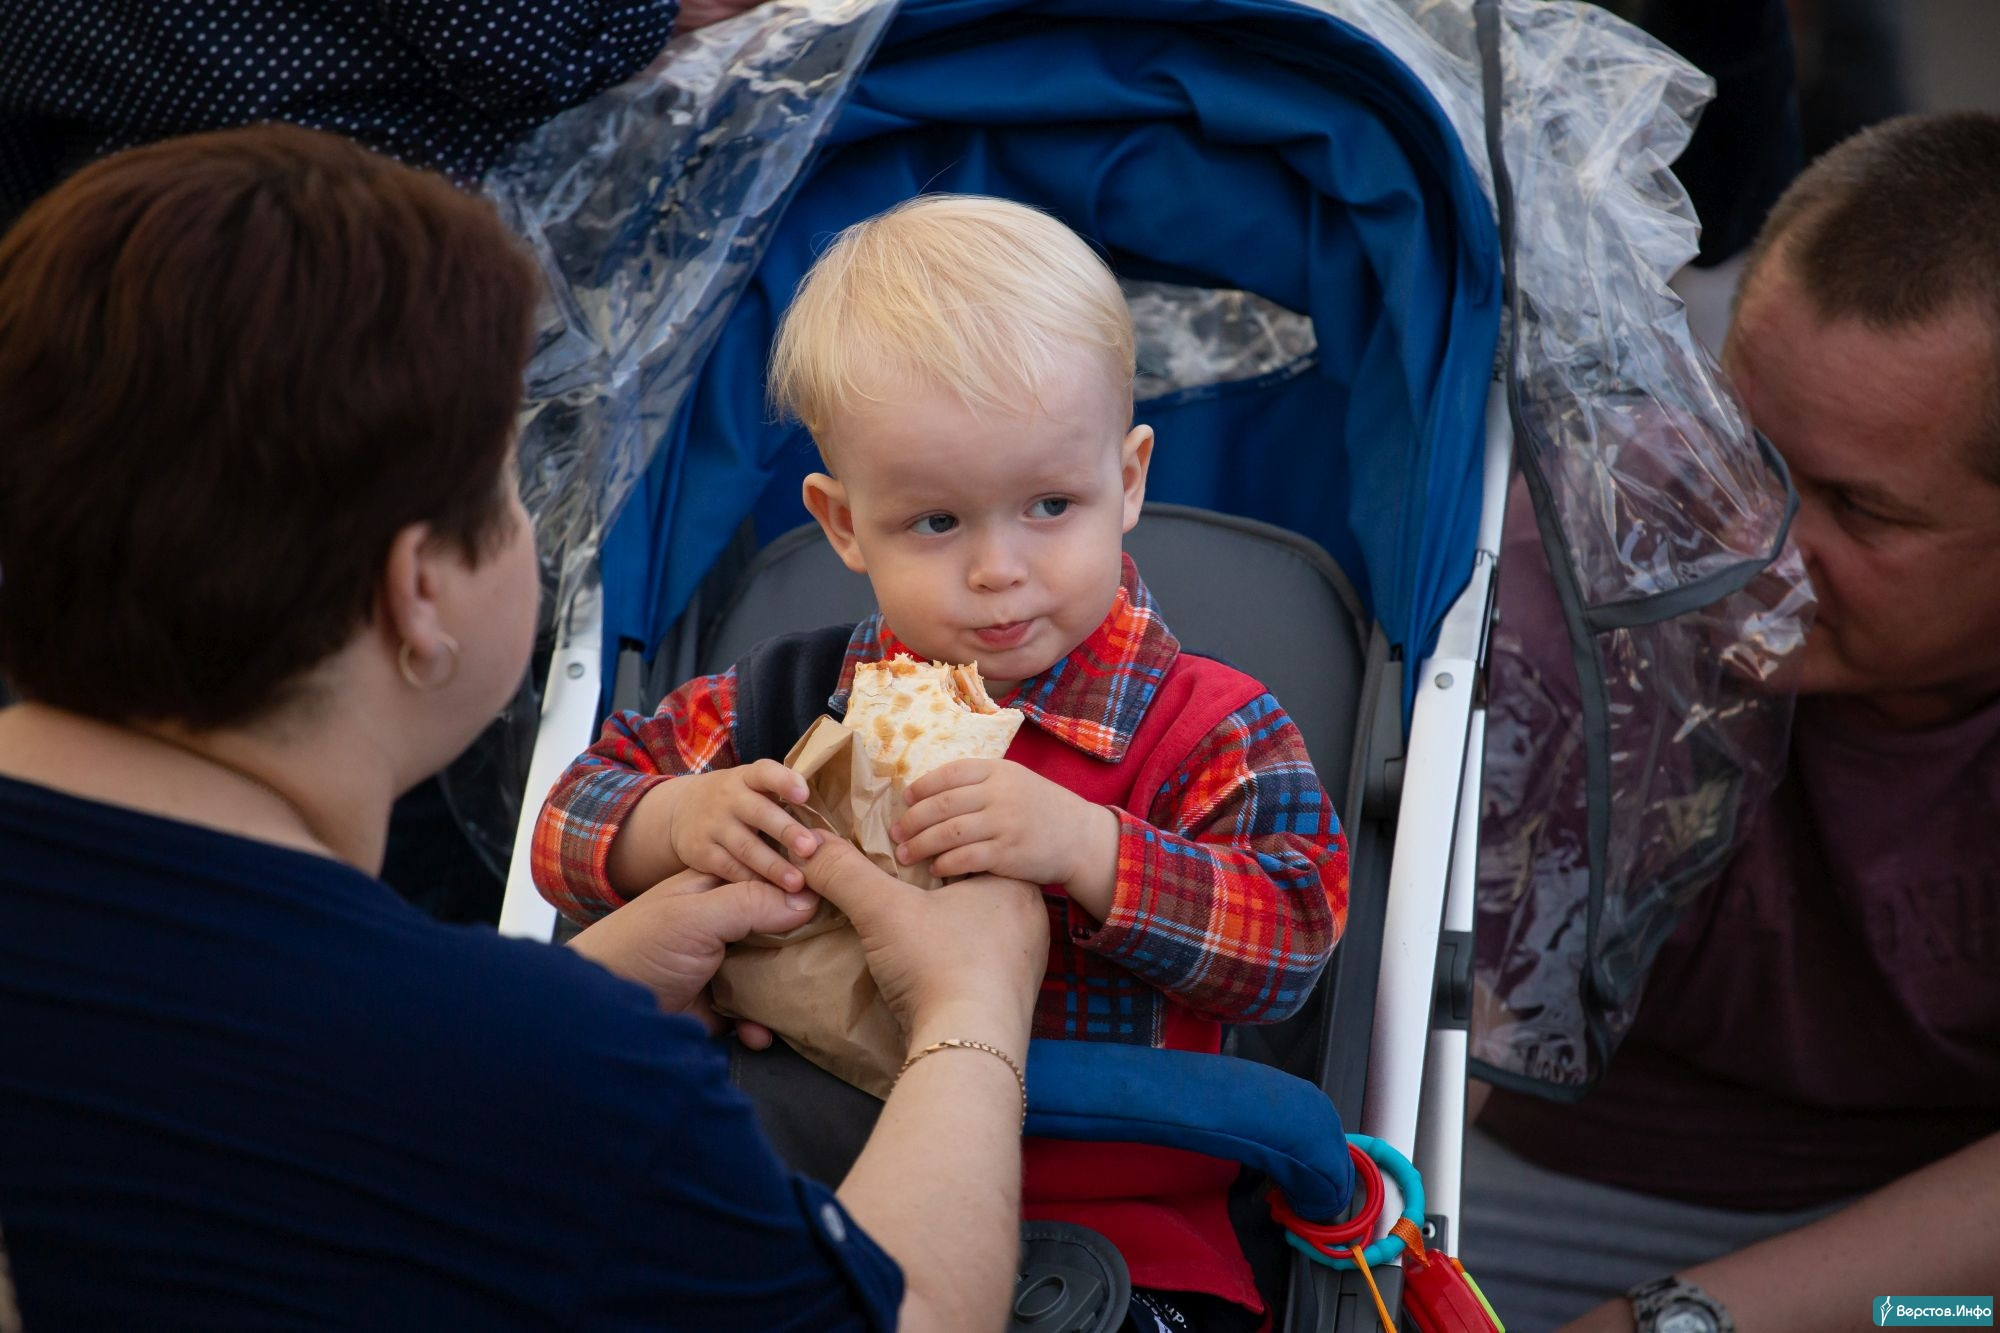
(1681, 1317)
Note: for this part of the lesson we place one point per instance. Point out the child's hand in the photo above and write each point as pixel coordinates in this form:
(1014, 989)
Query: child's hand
(993, 816)
(718, 817)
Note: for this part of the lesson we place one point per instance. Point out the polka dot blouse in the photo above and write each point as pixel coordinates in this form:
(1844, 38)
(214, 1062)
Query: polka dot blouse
(441, 83)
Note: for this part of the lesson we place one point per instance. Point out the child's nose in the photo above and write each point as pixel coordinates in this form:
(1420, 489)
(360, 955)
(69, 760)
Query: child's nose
(996, 566)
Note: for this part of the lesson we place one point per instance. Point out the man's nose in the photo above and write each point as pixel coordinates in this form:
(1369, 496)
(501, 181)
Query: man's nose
(1808, 527)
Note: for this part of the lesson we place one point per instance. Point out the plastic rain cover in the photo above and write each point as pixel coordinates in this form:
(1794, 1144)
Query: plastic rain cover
(1618, 773)
(648, 207)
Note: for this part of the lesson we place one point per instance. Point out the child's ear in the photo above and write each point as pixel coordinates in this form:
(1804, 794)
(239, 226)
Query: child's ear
(826, 500)
(1135, 455)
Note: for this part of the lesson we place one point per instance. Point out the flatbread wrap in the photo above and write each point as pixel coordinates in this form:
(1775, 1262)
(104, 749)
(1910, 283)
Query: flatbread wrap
(914, 717)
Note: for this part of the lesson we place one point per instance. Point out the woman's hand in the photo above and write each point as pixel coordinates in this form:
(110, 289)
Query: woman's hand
(671, 939)
(970, 953)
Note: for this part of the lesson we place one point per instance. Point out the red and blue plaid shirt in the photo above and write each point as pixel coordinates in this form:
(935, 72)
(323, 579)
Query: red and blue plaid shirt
(1232, 883)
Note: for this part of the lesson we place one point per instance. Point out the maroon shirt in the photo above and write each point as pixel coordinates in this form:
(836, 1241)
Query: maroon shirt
(1827, 1017)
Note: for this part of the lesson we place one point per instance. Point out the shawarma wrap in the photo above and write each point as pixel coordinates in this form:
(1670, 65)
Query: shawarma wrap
(911, 718)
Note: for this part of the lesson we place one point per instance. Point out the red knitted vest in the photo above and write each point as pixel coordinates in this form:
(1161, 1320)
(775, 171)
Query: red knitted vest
(1166, 1210)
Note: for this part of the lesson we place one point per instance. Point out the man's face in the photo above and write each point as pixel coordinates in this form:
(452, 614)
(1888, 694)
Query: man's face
(1900, 533)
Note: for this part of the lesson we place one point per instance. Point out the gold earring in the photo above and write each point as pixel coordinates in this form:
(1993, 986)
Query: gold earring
(405, 664)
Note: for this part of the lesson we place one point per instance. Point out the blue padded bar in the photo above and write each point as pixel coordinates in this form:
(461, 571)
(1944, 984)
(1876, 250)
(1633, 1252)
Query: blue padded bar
(1223, 1107)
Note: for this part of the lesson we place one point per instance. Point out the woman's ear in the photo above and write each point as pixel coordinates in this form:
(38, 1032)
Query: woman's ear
(1135, 455)
(412, 587)
(826, 500)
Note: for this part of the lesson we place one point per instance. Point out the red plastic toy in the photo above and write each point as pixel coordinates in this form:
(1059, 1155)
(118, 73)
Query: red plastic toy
(1438, 1295)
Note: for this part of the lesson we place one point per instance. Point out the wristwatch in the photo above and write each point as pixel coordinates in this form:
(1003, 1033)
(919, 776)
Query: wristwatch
(1675, 1305)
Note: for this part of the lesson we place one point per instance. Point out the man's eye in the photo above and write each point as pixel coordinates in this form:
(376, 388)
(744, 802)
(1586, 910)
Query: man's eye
(934, 525)
(1053, 507)
(1845, 503)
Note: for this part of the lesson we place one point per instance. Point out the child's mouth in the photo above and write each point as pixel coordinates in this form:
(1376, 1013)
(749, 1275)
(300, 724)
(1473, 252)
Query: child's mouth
(1003, 636)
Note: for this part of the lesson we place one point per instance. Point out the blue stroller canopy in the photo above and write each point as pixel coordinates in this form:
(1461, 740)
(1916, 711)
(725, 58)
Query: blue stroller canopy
(1245, 144)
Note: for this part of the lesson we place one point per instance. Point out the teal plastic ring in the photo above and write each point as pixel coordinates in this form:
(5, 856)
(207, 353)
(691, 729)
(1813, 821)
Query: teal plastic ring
(1408, 1183)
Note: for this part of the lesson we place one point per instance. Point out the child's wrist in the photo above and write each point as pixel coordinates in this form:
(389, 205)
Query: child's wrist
(1094, 872)
(643, 851)
(673, 816)
(1108, 829)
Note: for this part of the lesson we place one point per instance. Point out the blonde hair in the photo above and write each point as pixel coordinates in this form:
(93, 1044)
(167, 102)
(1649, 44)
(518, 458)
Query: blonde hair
(981, 296)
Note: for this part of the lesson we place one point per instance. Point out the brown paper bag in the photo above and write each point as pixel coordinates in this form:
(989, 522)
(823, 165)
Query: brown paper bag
(811, 984)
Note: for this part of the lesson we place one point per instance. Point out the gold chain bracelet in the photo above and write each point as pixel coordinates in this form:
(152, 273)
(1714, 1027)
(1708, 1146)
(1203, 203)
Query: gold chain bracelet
(966, 1044)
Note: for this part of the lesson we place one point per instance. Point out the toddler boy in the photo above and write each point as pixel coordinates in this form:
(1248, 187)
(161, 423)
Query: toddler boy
(965, 366)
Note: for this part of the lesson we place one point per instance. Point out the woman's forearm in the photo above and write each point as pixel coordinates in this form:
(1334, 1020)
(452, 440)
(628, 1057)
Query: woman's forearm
(939, 1184)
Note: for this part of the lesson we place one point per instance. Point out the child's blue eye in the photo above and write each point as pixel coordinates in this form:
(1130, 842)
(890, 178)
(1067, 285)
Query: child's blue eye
(1053, 507)
(934, 525)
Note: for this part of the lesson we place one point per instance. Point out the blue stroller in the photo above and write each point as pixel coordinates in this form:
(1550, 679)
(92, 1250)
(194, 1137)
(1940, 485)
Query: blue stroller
(1312, 256)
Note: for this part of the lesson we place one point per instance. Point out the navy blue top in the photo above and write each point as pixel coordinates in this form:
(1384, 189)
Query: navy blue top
(247, 1087)
(437, 84)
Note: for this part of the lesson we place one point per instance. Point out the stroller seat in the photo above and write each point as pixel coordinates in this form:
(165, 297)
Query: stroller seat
(1266, 600)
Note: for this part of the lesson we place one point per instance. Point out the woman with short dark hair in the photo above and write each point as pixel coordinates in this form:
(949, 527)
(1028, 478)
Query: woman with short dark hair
(263, 566)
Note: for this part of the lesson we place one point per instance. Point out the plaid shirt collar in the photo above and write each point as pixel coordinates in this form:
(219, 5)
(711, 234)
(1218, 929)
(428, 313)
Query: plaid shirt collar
(1093, 699)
